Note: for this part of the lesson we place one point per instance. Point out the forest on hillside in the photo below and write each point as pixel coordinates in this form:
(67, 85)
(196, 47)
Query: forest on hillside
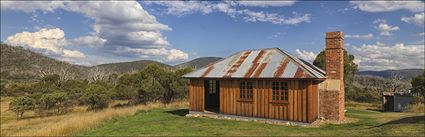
(53, 94)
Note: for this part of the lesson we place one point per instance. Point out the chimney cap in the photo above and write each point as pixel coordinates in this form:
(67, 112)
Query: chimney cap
(335, 34)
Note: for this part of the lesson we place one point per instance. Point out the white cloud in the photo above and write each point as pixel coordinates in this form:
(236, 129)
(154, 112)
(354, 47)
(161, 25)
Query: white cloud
(306, 55)
(265, 3)
(233, 9)
(417, 19)
(377, 21)
(91, 41)
(362, 37)
(177, 55)
(181, 8)
(252, 16)
(117, 26)
(170, 54)
(26, 6)
(422, 34)
(385, 6)
(50, 40)
(381, 57)
(47, 41)
(73, 54)
(277, 34)
(384, 28)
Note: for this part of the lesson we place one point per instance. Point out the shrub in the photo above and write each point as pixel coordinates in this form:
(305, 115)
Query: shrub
(20, 105)
(416, 108)
(418, 99)
(96, 97)
(361, 95)
(58, 102)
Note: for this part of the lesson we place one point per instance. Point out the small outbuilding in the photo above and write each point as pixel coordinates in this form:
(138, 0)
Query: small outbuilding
(272, 84)
(396, 101)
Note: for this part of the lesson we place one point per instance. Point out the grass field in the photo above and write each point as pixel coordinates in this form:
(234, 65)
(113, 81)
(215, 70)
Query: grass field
(64, 125)
(166, 122)
(155, 119)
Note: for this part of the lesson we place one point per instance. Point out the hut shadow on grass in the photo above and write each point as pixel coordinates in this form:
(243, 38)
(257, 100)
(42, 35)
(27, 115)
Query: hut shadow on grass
(406, 120)
(179, 112)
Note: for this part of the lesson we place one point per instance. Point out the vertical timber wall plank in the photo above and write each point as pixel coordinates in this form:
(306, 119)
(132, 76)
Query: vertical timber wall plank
(309, 102)
(304, 98)
(290, 104)
(296, 100)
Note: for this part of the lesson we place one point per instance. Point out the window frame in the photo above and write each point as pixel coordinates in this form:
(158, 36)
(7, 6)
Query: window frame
(246, 91)
(212, 87)
(280, 92)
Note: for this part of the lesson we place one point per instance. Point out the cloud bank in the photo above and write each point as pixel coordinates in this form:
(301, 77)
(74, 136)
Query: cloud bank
(385, 6)
(380, 56)
(361, 37)
(234, 9)
(123, 29)
(306, 55)
(384, 28)
(417, 19)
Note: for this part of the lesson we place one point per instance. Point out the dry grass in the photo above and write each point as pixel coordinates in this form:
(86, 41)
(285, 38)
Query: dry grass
(416, 108)
(72, 123)
(352, 104)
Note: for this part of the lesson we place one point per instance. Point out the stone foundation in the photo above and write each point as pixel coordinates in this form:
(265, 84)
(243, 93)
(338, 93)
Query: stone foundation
(242, 118)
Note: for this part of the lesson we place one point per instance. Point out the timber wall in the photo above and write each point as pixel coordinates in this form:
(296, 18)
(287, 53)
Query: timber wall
(302, 102)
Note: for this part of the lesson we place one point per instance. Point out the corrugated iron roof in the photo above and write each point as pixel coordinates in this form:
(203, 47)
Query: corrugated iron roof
(259, 63)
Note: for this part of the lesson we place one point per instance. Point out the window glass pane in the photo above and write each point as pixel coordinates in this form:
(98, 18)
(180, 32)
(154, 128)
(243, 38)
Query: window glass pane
(245, 90)
(212, 86)
(286, 95)
(281, 95)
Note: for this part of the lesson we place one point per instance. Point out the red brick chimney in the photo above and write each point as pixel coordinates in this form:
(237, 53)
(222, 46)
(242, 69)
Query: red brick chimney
(332, 89)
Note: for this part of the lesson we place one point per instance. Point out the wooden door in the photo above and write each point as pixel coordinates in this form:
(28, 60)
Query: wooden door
(212, 94)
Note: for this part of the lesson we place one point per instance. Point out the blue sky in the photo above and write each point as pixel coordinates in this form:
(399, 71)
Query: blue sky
(382, 35)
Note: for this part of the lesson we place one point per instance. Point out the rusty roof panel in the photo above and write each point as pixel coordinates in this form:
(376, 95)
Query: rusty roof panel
(301, 74)
(290, 70)
(196, 73)
(259, 70)
(260, 63)
(315, 72)
(221, 67)
(211, 67)
(255, 64)
(279, 71)
(244, 67)
(273, 62)
(239, 63)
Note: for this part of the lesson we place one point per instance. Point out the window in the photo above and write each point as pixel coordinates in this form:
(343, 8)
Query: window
(280, 91)
(212, 86)
(245, 90)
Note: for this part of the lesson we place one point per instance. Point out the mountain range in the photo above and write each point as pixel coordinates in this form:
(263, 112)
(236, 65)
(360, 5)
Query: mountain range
(406, 74)
(19, 64)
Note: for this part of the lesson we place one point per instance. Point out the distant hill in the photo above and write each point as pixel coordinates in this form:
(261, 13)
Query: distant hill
(19, 64)
(406, 73)
(124, 67)
(198, 62)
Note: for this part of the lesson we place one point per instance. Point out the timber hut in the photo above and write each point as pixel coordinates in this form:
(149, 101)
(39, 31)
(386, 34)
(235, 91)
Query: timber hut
(396, 101)
(270, 83)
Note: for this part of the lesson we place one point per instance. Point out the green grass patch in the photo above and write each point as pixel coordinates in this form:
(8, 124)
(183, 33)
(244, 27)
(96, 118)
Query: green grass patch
(172, 122)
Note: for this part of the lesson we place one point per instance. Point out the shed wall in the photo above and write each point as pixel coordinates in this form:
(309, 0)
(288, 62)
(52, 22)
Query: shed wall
(196, 95)
(301, 106)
